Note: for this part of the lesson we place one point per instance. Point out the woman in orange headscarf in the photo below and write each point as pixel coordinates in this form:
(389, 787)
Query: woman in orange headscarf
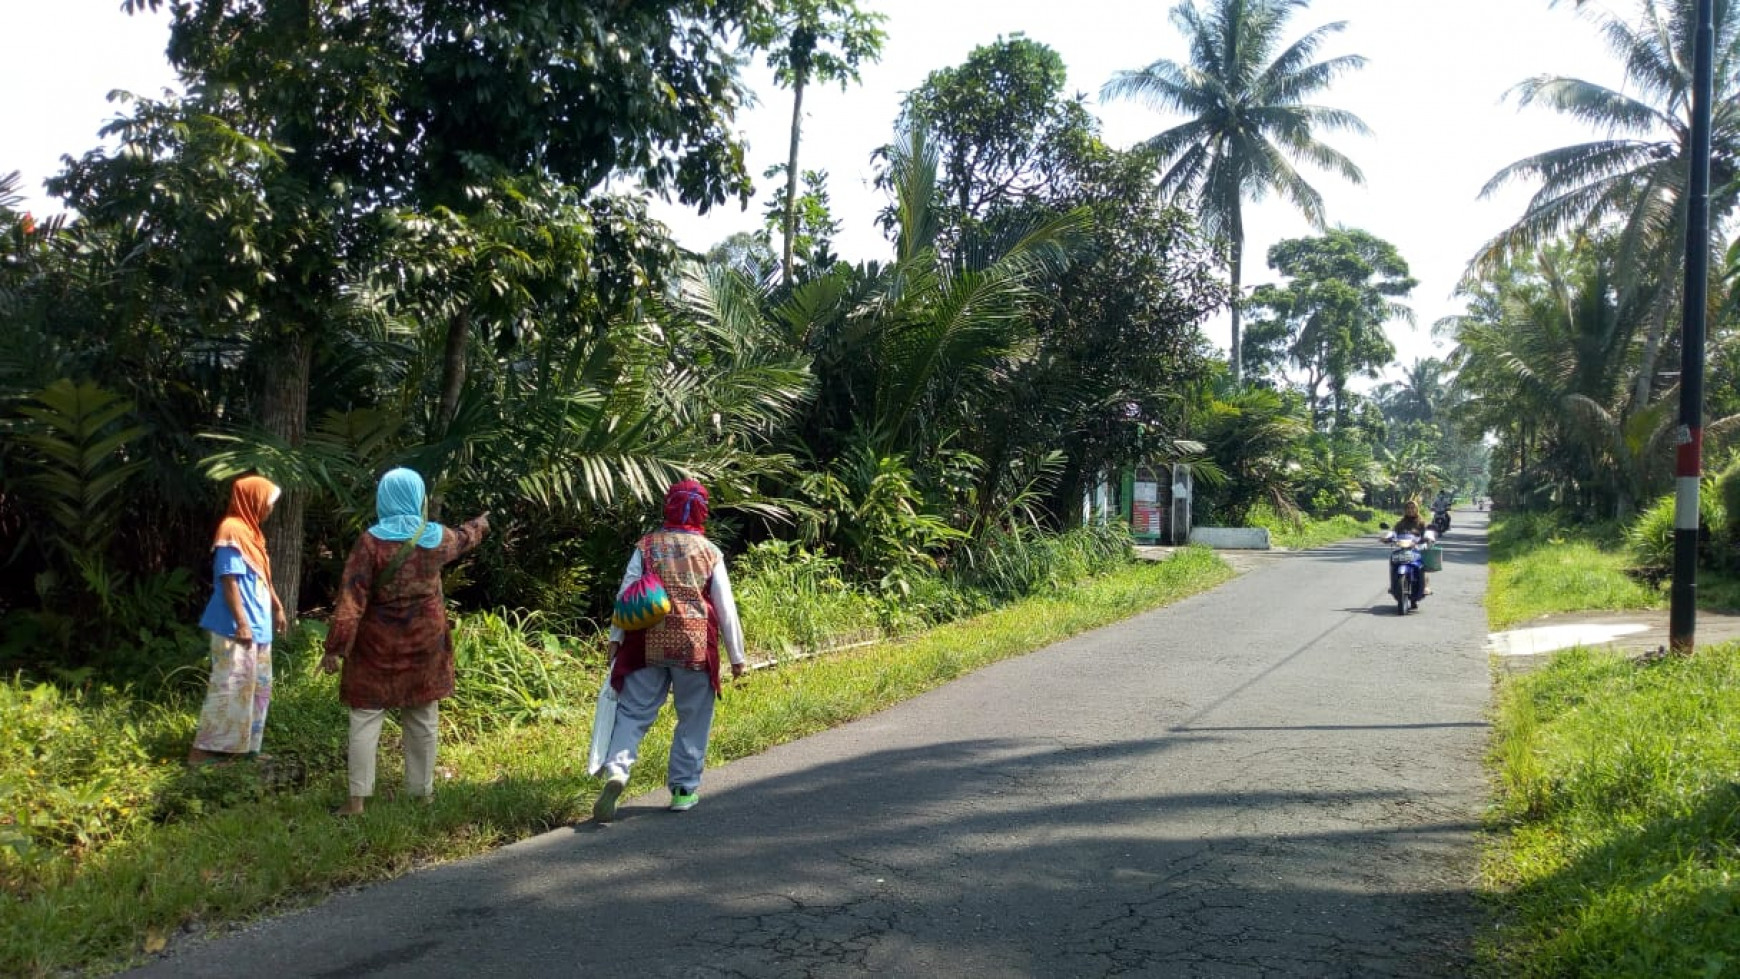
(241, 616)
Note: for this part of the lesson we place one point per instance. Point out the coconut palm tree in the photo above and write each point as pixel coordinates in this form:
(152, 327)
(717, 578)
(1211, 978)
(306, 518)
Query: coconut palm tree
(1244, 93)
(1635, 177)
(1548, 363)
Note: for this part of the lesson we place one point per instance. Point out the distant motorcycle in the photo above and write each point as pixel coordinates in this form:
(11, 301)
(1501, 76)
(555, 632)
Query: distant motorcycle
(1441, 520)
(1407, 568)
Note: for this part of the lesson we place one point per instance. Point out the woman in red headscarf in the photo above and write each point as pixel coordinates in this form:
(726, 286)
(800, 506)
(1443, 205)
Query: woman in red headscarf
(678, 656)
(240, 618)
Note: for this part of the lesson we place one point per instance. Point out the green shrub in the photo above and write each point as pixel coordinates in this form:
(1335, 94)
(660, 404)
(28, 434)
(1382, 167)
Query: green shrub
(1517, 532)
(1650, 538)
(792, 600)
(73, 777)
(80, 771)
(930, 600)
(1008, 565)
(1540, 566)
(1728, 534)
(1305, 533)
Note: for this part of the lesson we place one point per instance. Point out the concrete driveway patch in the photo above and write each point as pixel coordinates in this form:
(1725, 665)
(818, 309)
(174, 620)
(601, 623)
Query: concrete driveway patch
(1535, 640)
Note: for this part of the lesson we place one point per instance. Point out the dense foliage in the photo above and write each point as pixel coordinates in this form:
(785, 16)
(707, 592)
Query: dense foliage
(1568, 355)
(397, 254)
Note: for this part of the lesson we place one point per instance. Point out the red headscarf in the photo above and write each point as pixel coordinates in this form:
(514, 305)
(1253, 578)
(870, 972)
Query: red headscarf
(251, 498)
(686, 507)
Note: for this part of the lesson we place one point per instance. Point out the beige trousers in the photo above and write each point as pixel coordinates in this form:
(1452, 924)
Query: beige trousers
(419, 726)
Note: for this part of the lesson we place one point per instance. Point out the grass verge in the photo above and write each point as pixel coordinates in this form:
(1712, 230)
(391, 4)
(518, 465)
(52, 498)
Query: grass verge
(1540, 566)
(1568, 576)
(282, 849)
(1620, 818)
(1310, 532)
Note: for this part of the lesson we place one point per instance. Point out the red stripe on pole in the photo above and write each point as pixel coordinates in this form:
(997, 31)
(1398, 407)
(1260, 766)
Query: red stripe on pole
(1689, 460)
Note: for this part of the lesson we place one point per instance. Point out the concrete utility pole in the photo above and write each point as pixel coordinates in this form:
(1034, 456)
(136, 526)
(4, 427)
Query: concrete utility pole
(1689, 462)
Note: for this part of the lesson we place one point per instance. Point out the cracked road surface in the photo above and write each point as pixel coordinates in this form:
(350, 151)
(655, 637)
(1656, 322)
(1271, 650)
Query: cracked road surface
(1277, 778)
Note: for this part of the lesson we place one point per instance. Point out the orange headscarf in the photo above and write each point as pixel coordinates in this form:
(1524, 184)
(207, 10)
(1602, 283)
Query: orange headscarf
(250, 499)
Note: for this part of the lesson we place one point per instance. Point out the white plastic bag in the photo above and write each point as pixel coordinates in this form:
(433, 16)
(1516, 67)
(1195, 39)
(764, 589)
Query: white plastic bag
(603, 723)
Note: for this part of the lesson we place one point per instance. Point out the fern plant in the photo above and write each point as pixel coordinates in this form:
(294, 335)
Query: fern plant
(77, 464)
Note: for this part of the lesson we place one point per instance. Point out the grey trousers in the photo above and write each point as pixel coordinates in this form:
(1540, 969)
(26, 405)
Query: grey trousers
(419, 724)
(643, 693)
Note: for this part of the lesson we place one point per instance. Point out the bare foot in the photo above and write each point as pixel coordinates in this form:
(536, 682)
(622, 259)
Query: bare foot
(352, 808)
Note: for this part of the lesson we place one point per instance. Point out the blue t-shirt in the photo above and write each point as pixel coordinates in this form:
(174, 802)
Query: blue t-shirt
(256, 598)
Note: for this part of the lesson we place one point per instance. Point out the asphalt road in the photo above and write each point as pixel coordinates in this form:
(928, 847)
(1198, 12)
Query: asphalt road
(1280, 777)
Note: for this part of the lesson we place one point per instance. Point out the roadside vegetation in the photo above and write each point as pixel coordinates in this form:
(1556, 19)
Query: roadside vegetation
(1546, 563)
(115, 848)
(405, 255)
(1304, 534)
(1541, 564)
(1616, 833)
(1617, 830)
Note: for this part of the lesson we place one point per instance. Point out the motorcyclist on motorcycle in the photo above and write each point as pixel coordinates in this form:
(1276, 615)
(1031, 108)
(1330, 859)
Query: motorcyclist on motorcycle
(1412, 523)
(1407, 564)
(1441, 511)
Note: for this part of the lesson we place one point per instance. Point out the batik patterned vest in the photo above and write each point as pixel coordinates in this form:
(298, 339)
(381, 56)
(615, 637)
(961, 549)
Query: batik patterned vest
(684, 638)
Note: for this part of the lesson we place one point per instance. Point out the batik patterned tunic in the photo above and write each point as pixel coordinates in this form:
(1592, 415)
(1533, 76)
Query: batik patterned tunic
(394, 636)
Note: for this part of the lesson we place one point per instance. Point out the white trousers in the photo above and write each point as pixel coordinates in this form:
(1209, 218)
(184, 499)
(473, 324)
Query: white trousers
(419, 725)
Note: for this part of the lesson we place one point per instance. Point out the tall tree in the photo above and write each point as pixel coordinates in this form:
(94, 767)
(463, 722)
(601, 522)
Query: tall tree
(1328, 320)
(1423, 394)
(808, 223)
(1539, 339)
(1004, 132)
(1635, 178)
(813, 41)
(416, 103)
(1244, 92)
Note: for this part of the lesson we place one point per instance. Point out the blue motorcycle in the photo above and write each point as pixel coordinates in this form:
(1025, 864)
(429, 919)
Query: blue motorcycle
(1407, 568)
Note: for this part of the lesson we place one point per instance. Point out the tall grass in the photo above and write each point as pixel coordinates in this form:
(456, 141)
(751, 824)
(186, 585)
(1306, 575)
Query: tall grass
(792, 600)
(1620, 814)
(1650, 537)
(1540, 566)
(1007, 565)
(510, 671)
(1309, 532)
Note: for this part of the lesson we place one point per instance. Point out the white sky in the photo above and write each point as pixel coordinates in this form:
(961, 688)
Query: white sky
(1432, 94)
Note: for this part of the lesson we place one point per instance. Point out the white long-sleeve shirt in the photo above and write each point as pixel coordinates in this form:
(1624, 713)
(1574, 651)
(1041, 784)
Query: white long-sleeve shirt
(724, 605)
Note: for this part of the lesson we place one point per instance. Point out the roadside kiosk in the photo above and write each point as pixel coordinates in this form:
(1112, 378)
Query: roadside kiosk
(1156, 503)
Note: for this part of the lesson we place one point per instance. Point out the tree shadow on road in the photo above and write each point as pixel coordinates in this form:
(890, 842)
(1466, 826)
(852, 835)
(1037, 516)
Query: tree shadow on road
(883, 863)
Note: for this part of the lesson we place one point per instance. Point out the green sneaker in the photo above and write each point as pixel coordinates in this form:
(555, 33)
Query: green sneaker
(604, 809)
(682, 801)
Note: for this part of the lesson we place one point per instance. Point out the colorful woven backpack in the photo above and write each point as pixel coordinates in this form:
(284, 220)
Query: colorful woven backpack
(644, 603)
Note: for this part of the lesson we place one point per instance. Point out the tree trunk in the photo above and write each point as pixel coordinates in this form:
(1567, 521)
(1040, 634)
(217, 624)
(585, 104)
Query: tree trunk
(1238, 254)
(452, 386)
(284, 414)
(791, 174)
(1652, 339)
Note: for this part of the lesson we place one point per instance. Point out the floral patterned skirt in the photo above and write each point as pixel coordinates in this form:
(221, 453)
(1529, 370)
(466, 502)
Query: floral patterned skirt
(233, 720)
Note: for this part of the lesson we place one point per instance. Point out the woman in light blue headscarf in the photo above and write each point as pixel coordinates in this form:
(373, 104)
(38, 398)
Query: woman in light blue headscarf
(389, 633)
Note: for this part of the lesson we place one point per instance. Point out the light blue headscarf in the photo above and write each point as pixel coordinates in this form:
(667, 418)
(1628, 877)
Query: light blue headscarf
(399, 509)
